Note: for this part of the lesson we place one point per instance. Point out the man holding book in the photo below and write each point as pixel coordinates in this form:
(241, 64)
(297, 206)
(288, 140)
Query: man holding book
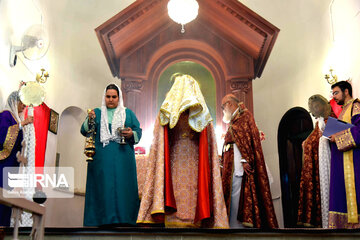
(344, 204)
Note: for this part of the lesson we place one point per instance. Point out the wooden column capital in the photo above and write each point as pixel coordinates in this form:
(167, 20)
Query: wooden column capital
(243, 85)
(132, 85)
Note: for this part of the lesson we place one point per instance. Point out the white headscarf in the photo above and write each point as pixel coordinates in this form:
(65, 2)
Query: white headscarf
(117, 121)
(12, 105)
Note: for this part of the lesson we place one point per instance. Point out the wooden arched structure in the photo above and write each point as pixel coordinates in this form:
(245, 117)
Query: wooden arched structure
(227, 38)
(295, 126)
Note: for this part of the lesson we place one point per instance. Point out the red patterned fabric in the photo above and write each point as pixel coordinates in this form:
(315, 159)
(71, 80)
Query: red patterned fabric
(309, 210)
(255, 206)
(184, 150)
(203, 203)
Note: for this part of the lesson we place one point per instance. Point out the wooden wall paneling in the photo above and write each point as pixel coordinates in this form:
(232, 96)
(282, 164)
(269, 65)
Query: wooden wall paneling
(227, 38)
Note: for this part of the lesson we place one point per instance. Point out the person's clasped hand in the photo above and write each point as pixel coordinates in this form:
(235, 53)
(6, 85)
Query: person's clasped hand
(127, 133)
(91, 113)
(247, 168)
(332, 137)
(28, 120)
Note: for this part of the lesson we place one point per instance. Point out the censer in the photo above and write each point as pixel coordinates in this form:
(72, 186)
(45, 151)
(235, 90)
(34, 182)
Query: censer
(89, 149)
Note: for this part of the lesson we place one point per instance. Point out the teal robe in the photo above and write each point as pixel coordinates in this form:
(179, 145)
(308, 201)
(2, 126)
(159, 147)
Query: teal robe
(111, 186)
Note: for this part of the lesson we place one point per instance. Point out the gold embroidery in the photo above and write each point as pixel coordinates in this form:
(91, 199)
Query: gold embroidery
(9, 142)
(345, 140)
(157, 212)
(172, 224)
(349, 167)
(340, 220)
(345, 114)
(350, 187)
(185, 94)
(356, 108)
(338, 213)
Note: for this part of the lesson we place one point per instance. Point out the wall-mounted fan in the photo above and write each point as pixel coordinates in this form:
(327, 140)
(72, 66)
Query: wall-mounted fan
(34, 44)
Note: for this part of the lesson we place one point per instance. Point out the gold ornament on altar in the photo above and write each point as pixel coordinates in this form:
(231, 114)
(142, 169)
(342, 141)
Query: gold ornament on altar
(89, 149)
(333, 79)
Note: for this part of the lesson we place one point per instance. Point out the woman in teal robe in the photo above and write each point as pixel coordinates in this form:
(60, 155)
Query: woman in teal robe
(111, 188)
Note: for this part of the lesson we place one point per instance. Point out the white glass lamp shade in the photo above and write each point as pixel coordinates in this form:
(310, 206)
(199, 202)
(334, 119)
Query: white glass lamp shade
(183, 11)
(32, 94)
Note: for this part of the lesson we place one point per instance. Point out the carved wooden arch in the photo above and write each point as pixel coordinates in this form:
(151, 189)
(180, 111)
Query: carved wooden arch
(227, 38)
(198, 52)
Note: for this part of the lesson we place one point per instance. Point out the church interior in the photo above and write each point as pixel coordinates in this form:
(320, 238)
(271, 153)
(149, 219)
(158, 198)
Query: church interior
(273, 55)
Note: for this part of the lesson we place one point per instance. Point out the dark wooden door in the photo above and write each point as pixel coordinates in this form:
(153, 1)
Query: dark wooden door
(295, 126)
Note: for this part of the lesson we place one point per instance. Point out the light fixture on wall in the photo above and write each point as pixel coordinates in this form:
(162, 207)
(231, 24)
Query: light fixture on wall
(183, 11)
(333, 79)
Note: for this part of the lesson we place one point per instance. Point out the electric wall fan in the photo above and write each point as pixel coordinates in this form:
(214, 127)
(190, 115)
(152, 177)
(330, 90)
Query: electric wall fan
(34, 44)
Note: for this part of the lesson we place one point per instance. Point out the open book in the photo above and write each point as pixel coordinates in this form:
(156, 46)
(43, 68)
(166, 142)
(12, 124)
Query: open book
(334, 125)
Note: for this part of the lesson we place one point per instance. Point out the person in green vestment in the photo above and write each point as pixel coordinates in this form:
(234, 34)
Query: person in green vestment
(111, 197)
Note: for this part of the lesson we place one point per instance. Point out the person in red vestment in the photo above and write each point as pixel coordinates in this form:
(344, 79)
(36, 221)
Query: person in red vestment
(244, 177)
(310, 196)
(183, 183)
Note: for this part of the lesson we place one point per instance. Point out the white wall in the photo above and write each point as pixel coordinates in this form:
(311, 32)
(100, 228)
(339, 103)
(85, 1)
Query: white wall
(79, 72)
(71, 144)
(344, 55)
(13, 22)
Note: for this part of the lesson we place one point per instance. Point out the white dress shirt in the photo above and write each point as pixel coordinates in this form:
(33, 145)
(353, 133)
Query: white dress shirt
(238, 160)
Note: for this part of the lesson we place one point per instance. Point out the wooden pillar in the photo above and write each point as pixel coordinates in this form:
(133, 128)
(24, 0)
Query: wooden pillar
(132, 90)
(242, 89)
